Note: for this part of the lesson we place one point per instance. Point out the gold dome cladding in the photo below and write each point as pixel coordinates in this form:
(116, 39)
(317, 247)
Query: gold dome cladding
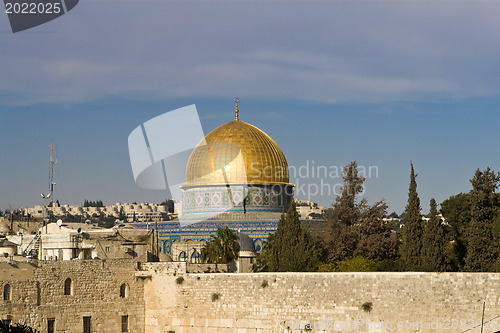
(216, 159)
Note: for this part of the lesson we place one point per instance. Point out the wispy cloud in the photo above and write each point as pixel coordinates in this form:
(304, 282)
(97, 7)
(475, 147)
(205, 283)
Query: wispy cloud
(327, 52)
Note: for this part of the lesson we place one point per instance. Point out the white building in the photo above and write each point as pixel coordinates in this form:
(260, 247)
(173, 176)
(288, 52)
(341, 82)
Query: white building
(68, 241)
(144, 212)
(306, 208)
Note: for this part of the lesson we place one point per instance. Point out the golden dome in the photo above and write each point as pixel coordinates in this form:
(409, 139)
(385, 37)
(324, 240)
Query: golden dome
(236, 153)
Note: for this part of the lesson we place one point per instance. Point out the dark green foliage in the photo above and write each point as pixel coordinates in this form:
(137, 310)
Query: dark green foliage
(179, 280)
(375, 238)
(357, 229)
(215, 297)
(222, 248)
(266, 255)
(393, 215)
(264, 284)
(411, 247)
(456, 211)
(388, 265)
(345, 209)
(16, 328)
(170, 205)
(291, 248)
(122, 216)
(482, 246)
(88, 203)
(434, 242)
(356, 264)
(496, 228)
(367, 306)
(343, 241)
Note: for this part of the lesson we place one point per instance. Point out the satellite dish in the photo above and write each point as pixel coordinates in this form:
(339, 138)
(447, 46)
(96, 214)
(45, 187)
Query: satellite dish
(87, 221)
(59, 223)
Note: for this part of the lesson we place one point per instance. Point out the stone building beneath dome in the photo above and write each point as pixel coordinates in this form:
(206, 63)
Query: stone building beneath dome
(237, 176)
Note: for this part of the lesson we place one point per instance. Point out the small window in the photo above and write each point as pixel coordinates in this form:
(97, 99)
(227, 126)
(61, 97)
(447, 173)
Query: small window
(123, 290)
(87, 323)
(6, 292)
(51, 325)
(68, 287)
(124, 323)
(106, 249)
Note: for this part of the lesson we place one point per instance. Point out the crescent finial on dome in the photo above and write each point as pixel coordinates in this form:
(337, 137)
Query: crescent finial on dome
(236, 111)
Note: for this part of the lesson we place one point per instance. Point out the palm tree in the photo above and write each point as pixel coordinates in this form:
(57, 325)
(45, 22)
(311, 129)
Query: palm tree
(223, 247)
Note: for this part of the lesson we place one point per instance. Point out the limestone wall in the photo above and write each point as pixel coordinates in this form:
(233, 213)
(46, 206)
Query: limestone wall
(330, 302)
(163, 297)
(95, 292)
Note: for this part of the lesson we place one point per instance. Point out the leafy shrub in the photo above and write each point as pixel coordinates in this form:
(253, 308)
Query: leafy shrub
(215, 297)
(367, 306)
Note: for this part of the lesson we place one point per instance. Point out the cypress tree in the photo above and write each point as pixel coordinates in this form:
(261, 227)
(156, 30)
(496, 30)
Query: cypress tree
(293, 249)
(434, 242)
(345, 209)
(482, 246)
(411, 248)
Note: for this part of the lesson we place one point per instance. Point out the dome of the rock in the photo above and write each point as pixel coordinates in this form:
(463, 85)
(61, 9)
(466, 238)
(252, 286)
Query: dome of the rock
(236, 172)
(242, 153)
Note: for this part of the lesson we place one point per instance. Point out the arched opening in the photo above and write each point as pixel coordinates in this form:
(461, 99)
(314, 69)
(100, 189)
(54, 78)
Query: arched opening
(258, 244)
(195, 257)
(7, 292)
(182, 256)
(123, 290)
(166, 247)
(68, 287)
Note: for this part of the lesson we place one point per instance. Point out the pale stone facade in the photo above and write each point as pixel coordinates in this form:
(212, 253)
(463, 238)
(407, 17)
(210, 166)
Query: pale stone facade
(38, 294)
(163, 297)
(70, 241)
(306, 207)
(143, 212)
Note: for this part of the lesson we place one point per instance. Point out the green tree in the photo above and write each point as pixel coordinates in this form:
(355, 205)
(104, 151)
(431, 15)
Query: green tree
(342, 242)
(411, 247)
(356, 228)
(291, 249)
(456, 210)
(266, 255)
(482, 247)
(122, 216)
(170, 205)
(434, 242)
(345, 208)
(356, 264)
(222, 248)
(376, 239)
(496, 228)
(393, 215)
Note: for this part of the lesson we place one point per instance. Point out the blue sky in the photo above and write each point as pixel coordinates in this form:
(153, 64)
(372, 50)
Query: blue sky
(383, 83)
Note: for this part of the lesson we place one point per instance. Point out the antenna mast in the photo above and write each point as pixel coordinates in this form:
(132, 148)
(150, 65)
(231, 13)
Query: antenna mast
(52, 175)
